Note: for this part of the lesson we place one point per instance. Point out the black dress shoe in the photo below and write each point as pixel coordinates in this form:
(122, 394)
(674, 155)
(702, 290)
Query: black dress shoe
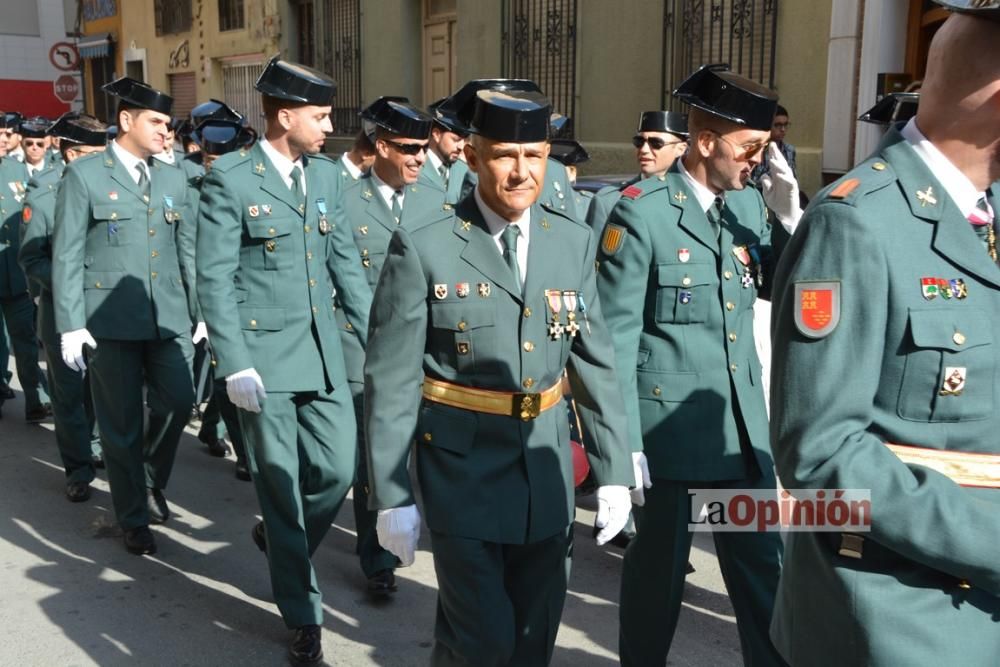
(157, 506)
(217, 447)
(39, 413)
(307, 647)
(690, 568)
(6, 393)
(258, 536)
(242, 471)
(139, 541)
(77, 492)
(98, 461)
(382, 584)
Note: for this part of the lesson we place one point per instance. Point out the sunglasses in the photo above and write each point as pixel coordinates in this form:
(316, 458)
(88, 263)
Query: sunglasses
(407, 149)
(745, 151)
(28, 143)
(655, 143)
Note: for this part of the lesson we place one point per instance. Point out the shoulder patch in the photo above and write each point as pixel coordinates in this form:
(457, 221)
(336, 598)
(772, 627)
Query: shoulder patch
(612, 238)
(26, 214)
(631, 192)
(845, 188)
(817, 307)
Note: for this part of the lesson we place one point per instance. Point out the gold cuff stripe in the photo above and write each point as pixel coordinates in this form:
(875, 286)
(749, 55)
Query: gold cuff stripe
(963, 468)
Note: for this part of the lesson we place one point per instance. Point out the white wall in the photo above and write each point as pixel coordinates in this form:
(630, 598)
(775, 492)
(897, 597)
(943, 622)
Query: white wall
(24, 57)
(883, 49)
(840, 78)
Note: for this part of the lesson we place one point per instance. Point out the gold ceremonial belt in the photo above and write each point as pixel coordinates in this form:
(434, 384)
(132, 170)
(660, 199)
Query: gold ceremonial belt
(506, 403)
(963, 468)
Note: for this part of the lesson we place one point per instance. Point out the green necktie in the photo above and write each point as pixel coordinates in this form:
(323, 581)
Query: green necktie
(715, 215)
(397, 210)
(143, 179)
(443, 170)
(297, 184)
(509, 240)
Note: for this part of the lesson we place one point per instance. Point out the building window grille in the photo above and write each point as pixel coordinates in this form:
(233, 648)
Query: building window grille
(230, 15)
(172, 16)
(337, 49)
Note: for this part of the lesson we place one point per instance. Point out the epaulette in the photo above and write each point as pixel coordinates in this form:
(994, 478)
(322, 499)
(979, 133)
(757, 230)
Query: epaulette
(867, 177)
(323, 157)
(551, 210)
(643, 188)
(632, 192)
(445, 214)
(229, 160)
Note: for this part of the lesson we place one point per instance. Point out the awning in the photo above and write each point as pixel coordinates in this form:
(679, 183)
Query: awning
(94, 46)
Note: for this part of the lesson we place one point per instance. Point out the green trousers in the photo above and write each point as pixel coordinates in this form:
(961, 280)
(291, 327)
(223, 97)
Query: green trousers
(654, 568)
(220, 418)
(19, 316)
(138, 459)
(499, 604)
(373, 557)
(302, 453)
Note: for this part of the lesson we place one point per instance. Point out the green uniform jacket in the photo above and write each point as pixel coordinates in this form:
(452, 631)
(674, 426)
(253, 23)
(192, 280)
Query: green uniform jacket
(456, 178)
(682, 323)
(264, 266)
(483, 476)
(875, 378)
(192, 164)
(35, 255)
(118, 260)
(13, 184)
(603, 201)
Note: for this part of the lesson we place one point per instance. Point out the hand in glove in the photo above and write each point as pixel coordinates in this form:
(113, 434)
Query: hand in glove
(200, 333)
(72, 343)
(245, 390)
(613, 506)
(642, 480)
(398, 532)
(780, 189)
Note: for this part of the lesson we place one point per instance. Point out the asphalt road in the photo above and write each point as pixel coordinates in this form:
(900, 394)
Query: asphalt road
(71, 595)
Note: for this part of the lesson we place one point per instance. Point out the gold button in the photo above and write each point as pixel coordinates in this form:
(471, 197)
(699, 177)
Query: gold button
(528, 346)
(153, 274)
(964, 585)
(732, 338)
(428, 437)
(878, 166)
(307, 228)
(349, 326)
(312, 282)
(528, 383)
(686, 281)
(527, 312)
(657, 391)
(727, 275)
(154, 254)
(253, 323)
(462, 325)
(114, 216)
(145, 198)
(271, 231)
(733, 367)
(315, 310)
(730, 305)
(149, 212)
(152, 232)
(98, 284)
(959, 338)
(309, 255)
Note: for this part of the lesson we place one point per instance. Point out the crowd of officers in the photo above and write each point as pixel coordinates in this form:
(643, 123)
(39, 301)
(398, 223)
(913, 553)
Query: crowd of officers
(440, 290)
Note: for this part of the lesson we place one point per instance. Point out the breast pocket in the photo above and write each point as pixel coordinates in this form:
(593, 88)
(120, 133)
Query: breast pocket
(684, 292)
(273, 243)
(949, 366)
(464, 336)
(114, 223)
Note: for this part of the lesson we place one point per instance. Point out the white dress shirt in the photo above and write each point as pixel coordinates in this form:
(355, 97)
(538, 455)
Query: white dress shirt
(497, 224)
(701, 192)
(284, 165)
(352, 169)
(386, 191)
(955, 183)
(130, 161)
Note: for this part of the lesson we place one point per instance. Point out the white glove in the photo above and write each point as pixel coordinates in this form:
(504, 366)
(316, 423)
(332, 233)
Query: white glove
(72, 343)
(245, 388)
(200, 333)
(613, 506)
(642, 480)
(780, 190)
(398, 532)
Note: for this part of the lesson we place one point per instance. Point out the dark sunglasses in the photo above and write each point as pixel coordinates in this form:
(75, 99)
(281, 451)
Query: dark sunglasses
(29, 142)
(655, 143)
(407, 149)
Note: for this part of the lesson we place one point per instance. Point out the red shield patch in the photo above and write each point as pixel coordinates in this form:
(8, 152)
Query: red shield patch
(817, 308)
(26, 214)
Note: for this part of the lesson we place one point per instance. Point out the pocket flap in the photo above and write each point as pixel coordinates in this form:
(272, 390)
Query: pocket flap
(462, 316)
(950, 329)
(446, 428)
(665, 386)
(684, 275)
(111, 212)
(262, 318)
(102, 279)
(269, 228)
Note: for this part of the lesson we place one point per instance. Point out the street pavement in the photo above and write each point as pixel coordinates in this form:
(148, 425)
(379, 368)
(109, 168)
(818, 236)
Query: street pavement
(71, 595)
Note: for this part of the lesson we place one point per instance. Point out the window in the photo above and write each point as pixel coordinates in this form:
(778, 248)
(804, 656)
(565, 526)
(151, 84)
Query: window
(172, 16)
(230, 15)
(338, 53)
(307, 33)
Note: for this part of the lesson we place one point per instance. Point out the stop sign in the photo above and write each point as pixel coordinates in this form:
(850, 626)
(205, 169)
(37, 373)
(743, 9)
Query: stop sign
(66, 88)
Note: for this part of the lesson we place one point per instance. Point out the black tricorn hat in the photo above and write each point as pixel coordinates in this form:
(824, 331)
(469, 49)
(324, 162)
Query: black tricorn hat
(511, 116)
(296, 83)
(989, 9)
(112, 131)
(66, 129)
(462, 102)
(560, 126)
(446, 118)
(397, 115)
(218, 137)
(12, 120)
(215, 110)
(673, 122)
(137, 95)
(715, 89)
(568, 151)
(35, 128)
(892, 108)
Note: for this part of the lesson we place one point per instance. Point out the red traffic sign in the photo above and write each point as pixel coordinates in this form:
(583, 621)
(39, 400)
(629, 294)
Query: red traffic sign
(66, 88)
(64, 57)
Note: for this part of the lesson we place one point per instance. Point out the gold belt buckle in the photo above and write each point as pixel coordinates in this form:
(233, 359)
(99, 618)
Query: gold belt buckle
(528, 406)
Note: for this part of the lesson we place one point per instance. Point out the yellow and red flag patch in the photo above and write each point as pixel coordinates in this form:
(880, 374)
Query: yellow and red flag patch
(817, 307)
(611, 240)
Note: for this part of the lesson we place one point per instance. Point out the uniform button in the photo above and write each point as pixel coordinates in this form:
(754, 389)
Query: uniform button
(527, 312)
(145, 198)
(309, 255)
(349, 326)
(307, 229)
(114, 216)
(153, 274)
(657, 391)
(528, 346)
(727, 275)
(253, 323)
(462, 325)
(312, 282)
(878, 166)
(959, 338)
(528, 383)
(428, 437)
(732, 338)
(98, 284)
(271, 231)
(152, 232)
(733, 367)
(149, 212)
(686, 281)
(315, 310)
(730, 305)
(154, 254)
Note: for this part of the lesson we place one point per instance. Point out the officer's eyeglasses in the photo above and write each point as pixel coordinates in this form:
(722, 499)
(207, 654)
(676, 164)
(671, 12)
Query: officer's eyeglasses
(745, 151)
(781, 126)
(28, 143)
(655, 143)
(407, 149)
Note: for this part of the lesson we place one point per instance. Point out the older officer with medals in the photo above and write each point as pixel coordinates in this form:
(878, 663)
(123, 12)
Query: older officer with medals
(484, 306)
(272, 252)
(682, 260)
(887, 308)
(118, 285)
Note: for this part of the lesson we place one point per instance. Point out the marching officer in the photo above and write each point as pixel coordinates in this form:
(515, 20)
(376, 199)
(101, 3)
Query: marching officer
(486, 334)
(681, 261)
(384, 197)
(273, 249)
(659, 141)
(570, 154)
(358, 159)
(35, 141)
(444, 168)
(118, 286)
(72, 406)
(887, 307)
